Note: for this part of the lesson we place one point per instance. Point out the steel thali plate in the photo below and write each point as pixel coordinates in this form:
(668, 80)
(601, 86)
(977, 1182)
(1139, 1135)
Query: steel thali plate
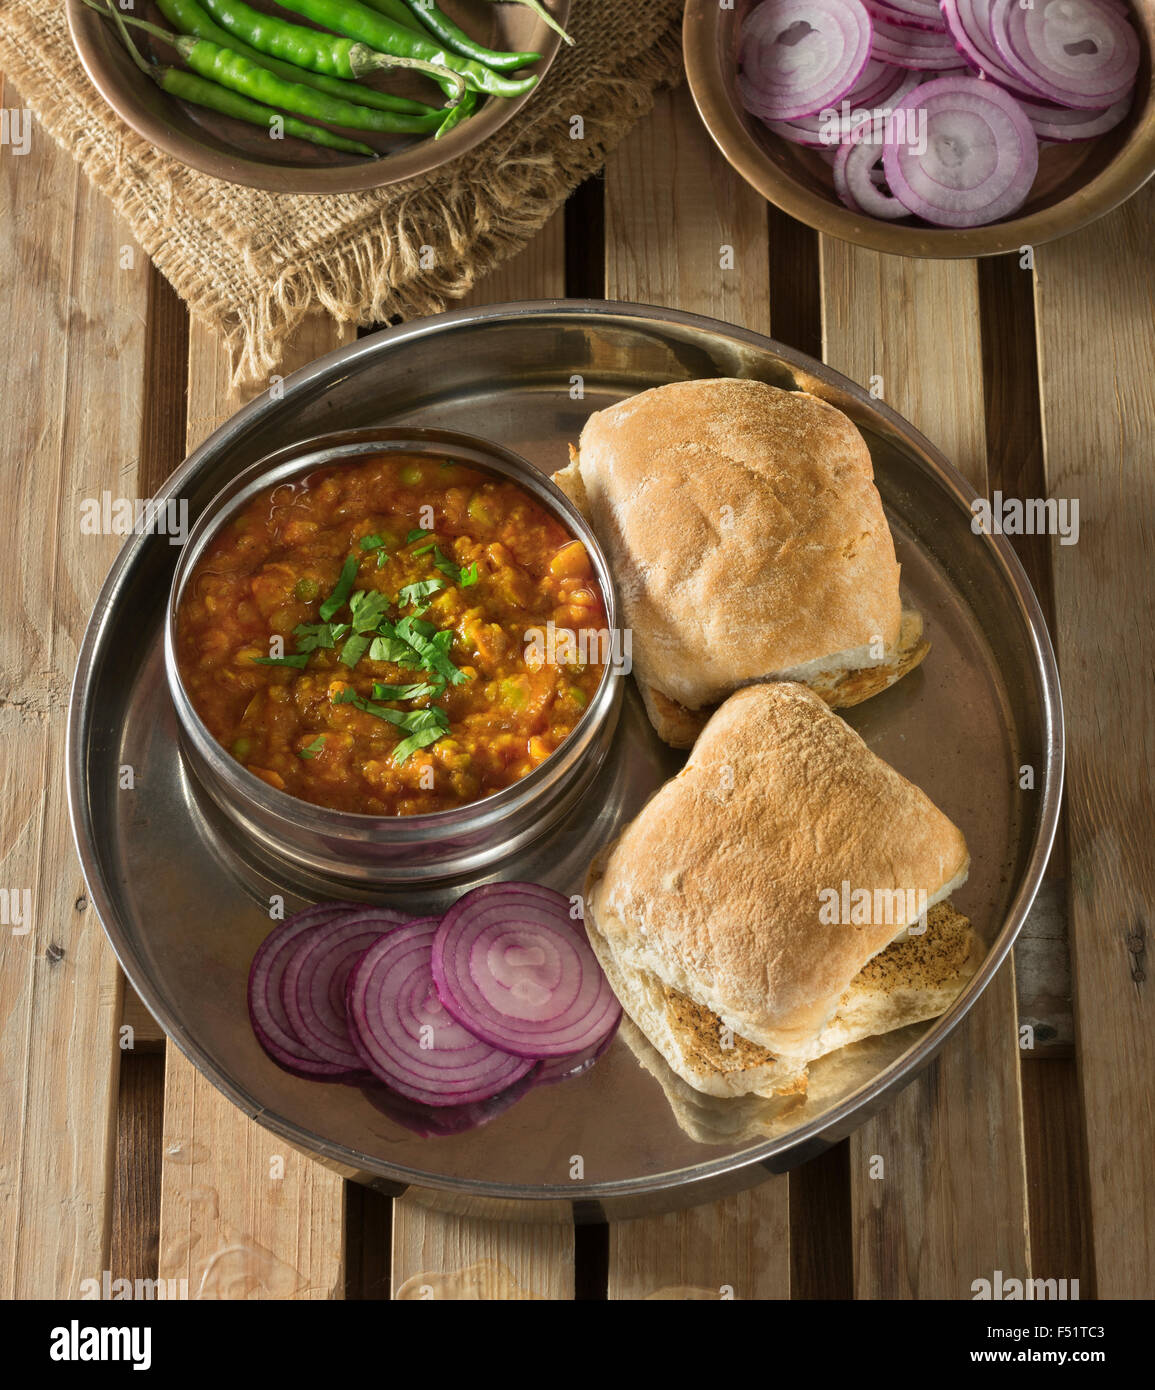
(185, 905)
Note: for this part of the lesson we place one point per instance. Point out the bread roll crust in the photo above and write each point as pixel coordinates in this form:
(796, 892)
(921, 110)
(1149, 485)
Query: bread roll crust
(714, 888)
(745, 532)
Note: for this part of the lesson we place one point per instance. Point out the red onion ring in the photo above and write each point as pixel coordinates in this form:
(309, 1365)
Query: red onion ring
(830, 130)
(1071, 52)
(921, 49)
(270, 1021)
(854, 171)
(968, 24)
(405, 1035)
(981, 154)
(509, 966)
(1063, 124)
(798, 57)
(313, 987)
(911, 14)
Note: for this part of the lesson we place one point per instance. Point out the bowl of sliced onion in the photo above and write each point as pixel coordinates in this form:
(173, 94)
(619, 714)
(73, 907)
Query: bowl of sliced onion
(943, 128)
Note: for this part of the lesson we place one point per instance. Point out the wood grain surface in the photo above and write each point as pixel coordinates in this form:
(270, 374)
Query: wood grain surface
(74, 290)
(1096, 326)
(128, 1161)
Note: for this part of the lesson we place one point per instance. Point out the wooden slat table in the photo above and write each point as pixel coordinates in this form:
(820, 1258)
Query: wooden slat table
(116, 1155)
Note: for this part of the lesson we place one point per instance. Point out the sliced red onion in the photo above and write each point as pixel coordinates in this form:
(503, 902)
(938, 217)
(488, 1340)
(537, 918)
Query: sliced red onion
(981, 154)
(1071, 52)
(831, 127)
(509, 966)
(1062, 124)
(440, 1121)
(912, 14)
(313, 987)
(968, 23)
(922, 49)
(271, 1023)
(798, 57)
(856, 177)
(562, 1068)
(407, 1038)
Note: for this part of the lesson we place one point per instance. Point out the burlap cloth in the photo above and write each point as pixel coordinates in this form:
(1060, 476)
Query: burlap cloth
(254, 263)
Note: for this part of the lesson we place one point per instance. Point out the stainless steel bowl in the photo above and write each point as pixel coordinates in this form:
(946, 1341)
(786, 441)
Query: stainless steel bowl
(400, 850)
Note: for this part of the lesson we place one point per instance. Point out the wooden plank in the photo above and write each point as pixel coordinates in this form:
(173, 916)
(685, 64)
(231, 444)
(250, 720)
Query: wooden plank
(683, 229)
(1095, 296)
(441, 1257)
(951, 1206)
(435, 1254)
(242, 1215)
(75, 291)
(732, 1249)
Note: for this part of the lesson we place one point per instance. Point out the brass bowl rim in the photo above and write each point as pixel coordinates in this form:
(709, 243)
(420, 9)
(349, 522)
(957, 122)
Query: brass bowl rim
(1131, 168)
(203, 153)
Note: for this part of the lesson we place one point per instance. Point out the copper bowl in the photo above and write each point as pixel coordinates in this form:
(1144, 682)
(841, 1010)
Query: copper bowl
(231, 150)
(1076, 183)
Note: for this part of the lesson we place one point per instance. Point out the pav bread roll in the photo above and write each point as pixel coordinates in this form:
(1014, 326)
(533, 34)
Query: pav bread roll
(748, 542)
(782, 896)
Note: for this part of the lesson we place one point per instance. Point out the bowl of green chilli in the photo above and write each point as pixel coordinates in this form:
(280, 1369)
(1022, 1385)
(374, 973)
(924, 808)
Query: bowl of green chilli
(317, 96)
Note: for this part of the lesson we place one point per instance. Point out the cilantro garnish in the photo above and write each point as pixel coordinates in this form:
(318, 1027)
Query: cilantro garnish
(298, 660)
(421, 549)
(340, 594)
(311, 750)
(408, 746)
(310, 636)
(468, 576)
(372, 542)
(403, 692)
(413, 594)
(415, 534)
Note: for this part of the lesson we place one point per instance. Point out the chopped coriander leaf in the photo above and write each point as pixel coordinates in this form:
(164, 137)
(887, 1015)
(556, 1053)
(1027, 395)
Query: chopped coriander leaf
(371, 542)
(340, 594)
(421, 549)
(408, 746)
(368, 607)
(298, 660)
(469, 576)
(382, 559)
(403, 692)
(412, 721)
(433, 650)
(310, 636)
(446, 566)
(413, 594)
(355, 648)
(387, 647)
(415, 534)
(311, 750)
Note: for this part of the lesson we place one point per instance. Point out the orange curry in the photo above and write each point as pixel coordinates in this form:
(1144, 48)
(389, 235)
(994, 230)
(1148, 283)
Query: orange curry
(357, 637)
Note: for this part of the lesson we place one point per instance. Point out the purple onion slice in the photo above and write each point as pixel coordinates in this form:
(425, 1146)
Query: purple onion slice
(271, 1023)
(920, 49)
(980, 159)
(313, 986)
(798, 57)
(857, 178)
(406, 1037)
(1071, 52)
(509, 966)
(1063, 124)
